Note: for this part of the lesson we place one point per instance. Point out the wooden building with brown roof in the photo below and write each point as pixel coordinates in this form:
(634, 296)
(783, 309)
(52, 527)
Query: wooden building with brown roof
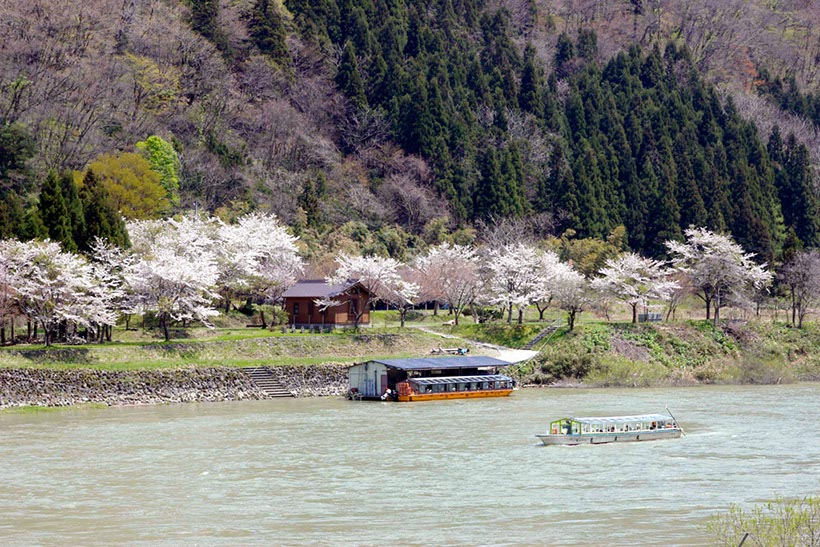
(300, 304)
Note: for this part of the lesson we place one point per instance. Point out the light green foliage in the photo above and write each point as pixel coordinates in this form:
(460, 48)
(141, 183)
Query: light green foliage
(503, 334)
(782, 522)
(588, 255)
(164, 160)
(618, 371)
(133, 185)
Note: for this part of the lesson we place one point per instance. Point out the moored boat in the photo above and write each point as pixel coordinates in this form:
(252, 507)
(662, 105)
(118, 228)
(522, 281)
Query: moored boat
(611, 429)
(429, 379)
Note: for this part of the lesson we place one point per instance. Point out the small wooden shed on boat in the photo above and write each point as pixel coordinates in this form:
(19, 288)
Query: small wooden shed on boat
(429, 379)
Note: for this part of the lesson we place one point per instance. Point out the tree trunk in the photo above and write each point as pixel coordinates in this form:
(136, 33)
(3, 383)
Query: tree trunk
(262, 317)
(3, 336)
(509, 313)
(227, 305)
(457, 312)
(520, 316)
(571, 319)
(717, 309)
(402, 314)
(634, 314)
(164, 321)
(541, 312)
(794, 306)
(435, 308)
(708, 308)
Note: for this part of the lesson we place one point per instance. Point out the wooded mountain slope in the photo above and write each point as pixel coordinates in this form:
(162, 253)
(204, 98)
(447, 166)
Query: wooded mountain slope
(429, 115)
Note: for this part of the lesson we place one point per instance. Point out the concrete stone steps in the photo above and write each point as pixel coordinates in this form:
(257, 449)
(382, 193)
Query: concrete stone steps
(264, 379)
(541, 335)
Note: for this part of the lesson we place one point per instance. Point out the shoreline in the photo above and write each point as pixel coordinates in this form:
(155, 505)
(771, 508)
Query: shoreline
(55, 388)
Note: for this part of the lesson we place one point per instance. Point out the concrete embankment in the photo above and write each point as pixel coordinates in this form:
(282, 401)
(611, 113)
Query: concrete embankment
(56, 387)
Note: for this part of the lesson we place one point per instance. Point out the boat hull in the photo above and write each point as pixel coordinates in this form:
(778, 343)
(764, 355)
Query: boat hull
(454, 395)
(606, 438)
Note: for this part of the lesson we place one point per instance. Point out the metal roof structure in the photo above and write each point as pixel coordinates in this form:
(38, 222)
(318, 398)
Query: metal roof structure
(443, 363)
(316, 288)
(619, 419)
(460, 379)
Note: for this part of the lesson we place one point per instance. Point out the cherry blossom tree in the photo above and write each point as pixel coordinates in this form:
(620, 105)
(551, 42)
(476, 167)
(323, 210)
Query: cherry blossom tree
(402, 294)
(513, 274)
(175, 271)
(54, 288)
(801, 275)
(8, 293)
(571, 289)
(108, 264)
(717, 267)
(634, 280)
(449, 274)
(546, 271)
(377, 275)
(257, 255)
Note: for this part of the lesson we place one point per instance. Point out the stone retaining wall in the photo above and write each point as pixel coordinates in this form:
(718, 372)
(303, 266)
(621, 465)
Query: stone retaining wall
(61, 387)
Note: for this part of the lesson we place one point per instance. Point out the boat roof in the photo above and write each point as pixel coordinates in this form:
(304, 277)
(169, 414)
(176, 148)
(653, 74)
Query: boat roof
(443, 363)
(618, 419)
(460, 379)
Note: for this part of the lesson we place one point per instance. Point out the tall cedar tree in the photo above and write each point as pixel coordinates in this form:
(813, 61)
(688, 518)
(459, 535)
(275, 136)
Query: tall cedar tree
(348, 78)
(267, 28)
(54, 213)
(101, 219)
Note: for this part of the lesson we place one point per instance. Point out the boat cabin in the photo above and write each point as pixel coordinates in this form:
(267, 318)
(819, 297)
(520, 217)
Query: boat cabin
(429, 378)
(619, 424)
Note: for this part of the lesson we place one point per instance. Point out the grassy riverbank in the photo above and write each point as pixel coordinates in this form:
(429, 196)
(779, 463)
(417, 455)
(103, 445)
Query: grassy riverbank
(225, 347)
(600, 354)
(596, 353)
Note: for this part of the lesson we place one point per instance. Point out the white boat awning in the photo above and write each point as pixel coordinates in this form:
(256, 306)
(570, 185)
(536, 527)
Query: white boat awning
(620, 419)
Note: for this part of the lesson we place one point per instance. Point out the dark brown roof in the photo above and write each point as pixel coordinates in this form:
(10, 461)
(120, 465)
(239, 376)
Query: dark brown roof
(316, 288)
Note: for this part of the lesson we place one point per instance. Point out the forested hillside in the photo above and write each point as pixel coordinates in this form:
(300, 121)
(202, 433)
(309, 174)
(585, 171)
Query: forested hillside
(405, 123)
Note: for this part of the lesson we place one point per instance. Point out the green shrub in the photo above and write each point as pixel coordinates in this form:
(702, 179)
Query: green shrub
(617, 371)
(779, 522)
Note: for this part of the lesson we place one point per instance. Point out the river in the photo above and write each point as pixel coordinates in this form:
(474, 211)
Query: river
(458, 472)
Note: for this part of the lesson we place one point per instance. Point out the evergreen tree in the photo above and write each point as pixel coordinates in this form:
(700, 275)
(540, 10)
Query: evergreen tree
(267, 28)
(587, 44)
(32, 226)
(800, 202)
(529, 96)
(309, 202)
(72, 201)
(491, 198)
(564, 50)
(348, 78)
(11, 216)
(101, 219)
(54, 213)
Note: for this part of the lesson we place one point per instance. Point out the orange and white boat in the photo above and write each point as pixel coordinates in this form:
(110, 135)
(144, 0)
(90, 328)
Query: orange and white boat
(455, 387)
(429, 379)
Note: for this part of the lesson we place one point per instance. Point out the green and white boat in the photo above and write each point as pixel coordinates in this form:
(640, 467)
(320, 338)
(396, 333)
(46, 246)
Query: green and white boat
(611, 429)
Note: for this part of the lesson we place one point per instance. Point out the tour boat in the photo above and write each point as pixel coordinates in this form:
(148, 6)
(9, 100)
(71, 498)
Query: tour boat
(429, 379)
(612, 429)
(454, 387)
